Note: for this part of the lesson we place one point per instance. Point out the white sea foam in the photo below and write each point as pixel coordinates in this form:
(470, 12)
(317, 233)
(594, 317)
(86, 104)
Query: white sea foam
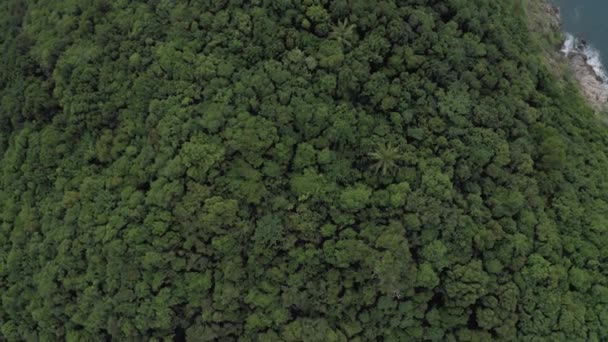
(593, 59)
(569, 44)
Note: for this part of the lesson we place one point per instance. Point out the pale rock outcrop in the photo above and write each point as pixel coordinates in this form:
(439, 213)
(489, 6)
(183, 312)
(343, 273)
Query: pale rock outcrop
(588, 71)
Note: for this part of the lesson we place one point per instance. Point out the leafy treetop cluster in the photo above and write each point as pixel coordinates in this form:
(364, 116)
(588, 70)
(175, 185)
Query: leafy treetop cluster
(294, 170)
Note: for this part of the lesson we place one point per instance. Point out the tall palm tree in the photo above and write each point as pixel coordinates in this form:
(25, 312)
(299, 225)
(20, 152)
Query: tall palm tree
(343, 32)
(386, 158)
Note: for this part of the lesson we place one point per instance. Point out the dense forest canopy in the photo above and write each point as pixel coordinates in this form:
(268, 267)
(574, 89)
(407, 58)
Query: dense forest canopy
(294, 170)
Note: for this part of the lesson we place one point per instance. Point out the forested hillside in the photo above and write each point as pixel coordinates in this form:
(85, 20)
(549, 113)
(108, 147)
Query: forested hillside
(294, 170)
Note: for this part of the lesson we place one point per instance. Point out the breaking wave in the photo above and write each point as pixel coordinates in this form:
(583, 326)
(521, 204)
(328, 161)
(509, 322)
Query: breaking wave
(572, 44)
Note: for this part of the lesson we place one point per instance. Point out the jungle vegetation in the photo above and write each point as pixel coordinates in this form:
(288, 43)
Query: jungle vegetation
(294, 170)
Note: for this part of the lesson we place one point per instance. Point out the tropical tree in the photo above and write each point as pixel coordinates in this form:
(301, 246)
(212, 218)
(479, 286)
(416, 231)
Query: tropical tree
(386, 158)
(343, 32)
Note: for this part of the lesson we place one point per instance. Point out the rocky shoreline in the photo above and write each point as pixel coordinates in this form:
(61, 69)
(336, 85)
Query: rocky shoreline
(582, 60)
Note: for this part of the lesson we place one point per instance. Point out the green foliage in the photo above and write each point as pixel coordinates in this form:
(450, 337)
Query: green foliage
(386, 158)
(311, 170)
(343, 32)
(355, 197)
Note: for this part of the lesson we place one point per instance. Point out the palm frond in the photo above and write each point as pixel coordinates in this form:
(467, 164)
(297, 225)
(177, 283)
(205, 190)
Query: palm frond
(386, 157)
(343, 32)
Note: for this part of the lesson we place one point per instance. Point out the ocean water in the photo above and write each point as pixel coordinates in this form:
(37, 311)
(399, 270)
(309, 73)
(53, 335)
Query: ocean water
(587, 20)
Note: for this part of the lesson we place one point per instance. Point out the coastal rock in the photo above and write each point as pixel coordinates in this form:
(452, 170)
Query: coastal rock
(554, 17)
(592, 85)
(584, 62)
(582, 59)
